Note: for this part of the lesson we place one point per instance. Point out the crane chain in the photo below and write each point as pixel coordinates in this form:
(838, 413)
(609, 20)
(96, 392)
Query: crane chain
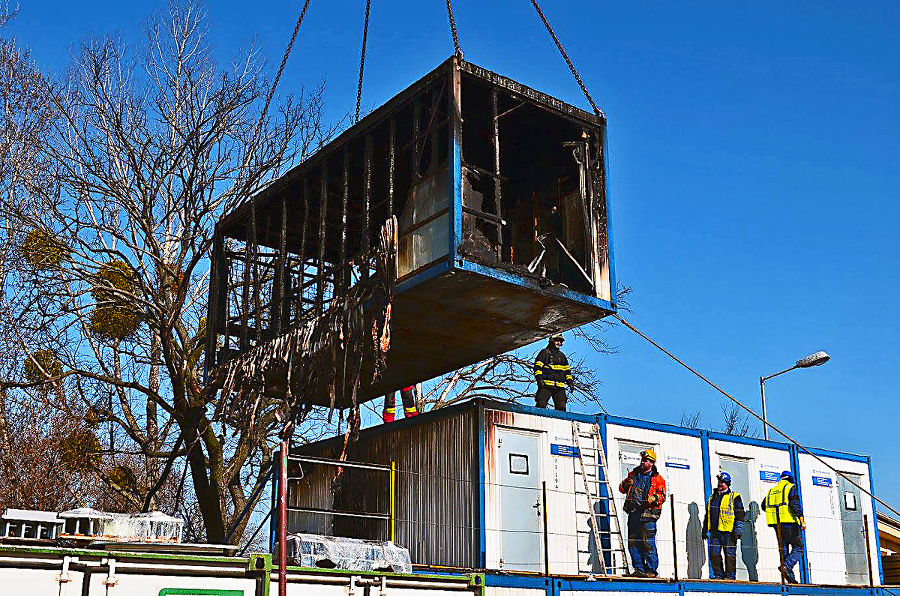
(565, 56)
(453, 31)
(362, 61)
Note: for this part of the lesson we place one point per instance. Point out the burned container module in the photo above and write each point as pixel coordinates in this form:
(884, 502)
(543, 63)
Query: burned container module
(470, 484)
(500, 195)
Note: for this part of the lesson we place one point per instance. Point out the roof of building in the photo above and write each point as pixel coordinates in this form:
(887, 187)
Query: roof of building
(30, 515)
(86, 512)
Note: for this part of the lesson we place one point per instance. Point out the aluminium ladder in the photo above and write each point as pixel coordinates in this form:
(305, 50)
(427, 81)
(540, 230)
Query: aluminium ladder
(596, 473)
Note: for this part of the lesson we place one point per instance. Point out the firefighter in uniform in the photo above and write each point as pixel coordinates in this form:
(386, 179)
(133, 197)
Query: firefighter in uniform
(784, 513)
(407, 396)
(552, 373)
(723, 525)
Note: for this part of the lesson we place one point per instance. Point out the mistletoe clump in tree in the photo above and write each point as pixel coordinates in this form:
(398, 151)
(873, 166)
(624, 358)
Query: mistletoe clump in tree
(148, 147)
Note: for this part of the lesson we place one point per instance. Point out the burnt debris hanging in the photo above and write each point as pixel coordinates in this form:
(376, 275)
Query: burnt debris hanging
(499, 194)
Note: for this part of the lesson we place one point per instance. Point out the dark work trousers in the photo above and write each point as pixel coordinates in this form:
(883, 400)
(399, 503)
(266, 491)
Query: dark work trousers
(544, 394)
(719, 541)
(791, 546)
(642, 543)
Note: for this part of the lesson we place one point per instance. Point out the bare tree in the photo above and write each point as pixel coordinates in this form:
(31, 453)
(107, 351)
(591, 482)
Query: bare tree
(691, 420)
(735, 421)
(147, 151)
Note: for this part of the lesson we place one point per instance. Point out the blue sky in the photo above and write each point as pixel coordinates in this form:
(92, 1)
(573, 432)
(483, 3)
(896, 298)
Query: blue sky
(754, 175)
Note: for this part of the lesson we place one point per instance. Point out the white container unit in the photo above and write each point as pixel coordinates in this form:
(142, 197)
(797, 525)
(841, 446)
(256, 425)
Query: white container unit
(679, 453)
(522, 453)
(67, 572)
(755, 467)
(834, 510)
(496, 486)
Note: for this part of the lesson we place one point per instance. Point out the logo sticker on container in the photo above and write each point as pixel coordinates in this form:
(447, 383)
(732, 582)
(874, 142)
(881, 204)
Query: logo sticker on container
(679, 463)
(769, 476)
(563, 450)
(821, 481)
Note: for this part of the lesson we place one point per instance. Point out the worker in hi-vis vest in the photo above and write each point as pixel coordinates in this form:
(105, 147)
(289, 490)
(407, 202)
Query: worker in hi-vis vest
(722, 526)
(784, 513)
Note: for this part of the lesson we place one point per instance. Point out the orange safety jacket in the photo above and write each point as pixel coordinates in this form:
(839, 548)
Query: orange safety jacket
(651, 505)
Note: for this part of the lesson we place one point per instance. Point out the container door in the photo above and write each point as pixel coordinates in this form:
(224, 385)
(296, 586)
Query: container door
(630, 455)
(629, 459)
(852, 525)
(740, 483)
(521, 508)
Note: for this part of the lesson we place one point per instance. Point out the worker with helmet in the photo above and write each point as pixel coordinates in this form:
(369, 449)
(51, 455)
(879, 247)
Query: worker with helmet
(408, 396)
(645, 493)
(784, 513)
(552, 373)
(723, 526)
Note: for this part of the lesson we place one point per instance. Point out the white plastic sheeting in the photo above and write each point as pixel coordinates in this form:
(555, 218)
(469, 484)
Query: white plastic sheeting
(313, 550)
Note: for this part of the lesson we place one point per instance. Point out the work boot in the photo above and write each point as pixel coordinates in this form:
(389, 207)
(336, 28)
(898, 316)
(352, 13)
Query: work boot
(387, 417)
(787, 574)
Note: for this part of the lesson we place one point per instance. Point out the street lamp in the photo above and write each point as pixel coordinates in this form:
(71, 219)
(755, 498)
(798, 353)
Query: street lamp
(817, 359)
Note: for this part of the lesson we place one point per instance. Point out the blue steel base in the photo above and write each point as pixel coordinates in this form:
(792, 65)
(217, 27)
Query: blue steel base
(557, 586)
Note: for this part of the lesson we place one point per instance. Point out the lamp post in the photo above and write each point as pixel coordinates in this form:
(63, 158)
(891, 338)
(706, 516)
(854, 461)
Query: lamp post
(817, 359)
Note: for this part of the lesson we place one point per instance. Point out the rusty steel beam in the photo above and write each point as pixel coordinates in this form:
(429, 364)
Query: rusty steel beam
(496, 130)
(277, 310)
(392, 156)
(367, 203)
(302, 252)
(523, 91)
(376, 117)
(323, 212)
(245, 289)
(342, 278)
(257, 307)
(435, 98)
(417, 117)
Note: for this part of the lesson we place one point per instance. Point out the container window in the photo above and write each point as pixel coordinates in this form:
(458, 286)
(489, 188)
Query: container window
(424, 224)
(849, 501)
(518, 464)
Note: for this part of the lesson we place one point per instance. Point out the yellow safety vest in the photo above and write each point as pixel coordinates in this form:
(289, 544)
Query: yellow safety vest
(777, 509)
(726, 511)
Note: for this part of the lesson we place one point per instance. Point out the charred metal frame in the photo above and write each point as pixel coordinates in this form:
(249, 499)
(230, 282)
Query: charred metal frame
(278, 258)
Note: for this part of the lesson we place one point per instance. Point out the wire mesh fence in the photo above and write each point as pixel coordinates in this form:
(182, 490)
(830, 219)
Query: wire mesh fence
(443, 520)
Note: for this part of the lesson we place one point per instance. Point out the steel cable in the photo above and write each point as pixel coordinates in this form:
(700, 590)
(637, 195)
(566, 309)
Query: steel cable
(453, 31)
(262, 116)
(565, 56)
(754, 414)
(362, 61)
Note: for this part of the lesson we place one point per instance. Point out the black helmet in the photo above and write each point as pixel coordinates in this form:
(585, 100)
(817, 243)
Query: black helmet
(557, 337)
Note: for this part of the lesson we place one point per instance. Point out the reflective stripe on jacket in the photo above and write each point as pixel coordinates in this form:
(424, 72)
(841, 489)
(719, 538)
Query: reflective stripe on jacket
(726, 511)
(551, 368)
(778, 510)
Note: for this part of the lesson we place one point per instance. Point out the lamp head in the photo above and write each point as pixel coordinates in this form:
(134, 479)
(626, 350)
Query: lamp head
(817, 359)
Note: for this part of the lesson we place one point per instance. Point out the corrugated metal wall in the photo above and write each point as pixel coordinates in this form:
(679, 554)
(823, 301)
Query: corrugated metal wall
(758, 549)
(836, 546)
(436, 494)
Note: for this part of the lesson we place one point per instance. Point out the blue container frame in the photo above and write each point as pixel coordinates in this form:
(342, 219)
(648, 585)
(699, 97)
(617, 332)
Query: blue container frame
(454, 261)
(602, 421)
